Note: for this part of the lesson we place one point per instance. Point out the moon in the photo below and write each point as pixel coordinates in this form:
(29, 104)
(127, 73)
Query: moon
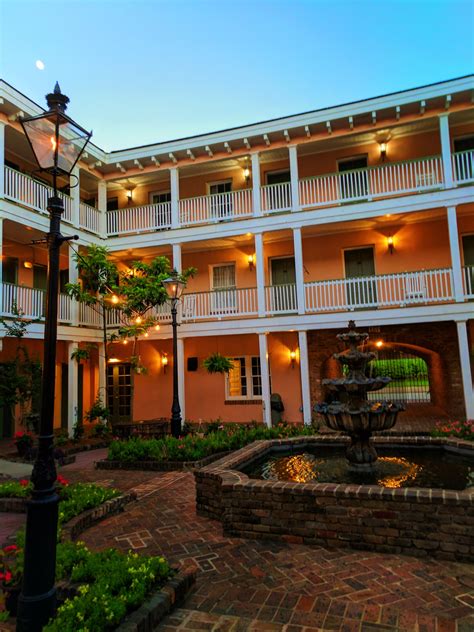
(39, 64)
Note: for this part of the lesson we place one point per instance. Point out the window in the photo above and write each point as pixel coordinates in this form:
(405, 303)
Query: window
(277, 177)
(90, 201)
(221, 205)
(10, 270)
(464, 144)
(223, 299)
(112, 204)
(161, 197)
(244, 380)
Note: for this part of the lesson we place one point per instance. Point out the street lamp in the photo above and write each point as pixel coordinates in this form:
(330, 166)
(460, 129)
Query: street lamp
(57, 143)
(174, 288)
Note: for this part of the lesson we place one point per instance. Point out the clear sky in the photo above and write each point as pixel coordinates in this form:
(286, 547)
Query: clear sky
(141, 71)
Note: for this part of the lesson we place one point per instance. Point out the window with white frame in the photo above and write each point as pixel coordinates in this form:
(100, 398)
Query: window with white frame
(160, 197)
(244, 380)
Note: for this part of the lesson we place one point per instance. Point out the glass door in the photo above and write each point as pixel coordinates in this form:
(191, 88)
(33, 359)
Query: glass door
(119, 390)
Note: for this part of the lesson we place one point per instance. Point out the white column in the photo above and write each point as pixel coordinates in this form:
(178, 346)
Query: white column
(75, 184)
(257, 207)
(102, 206)
(455, 254)
(181, 385)
(304, 374)
(260, 274)
(174, 185)
(299, 269)
(102, 377)
(177, 265)
(466, 374)
(72, 390)
(295, 198)
(265, 373)
(2, 158)
(73, 276)
(446, 150)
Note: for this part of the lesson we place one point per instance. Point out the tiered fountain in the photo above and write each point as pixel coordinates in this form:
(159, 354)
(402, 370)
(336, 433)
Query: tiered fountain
(352, 413)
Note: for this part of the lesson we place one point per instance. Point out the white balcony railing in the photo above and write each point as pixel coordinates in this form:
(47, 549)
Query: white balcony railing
(217, 207)
(395, 178)
(27, 191)
(386, 290)
(281, 299)
(228, 303)
(468, 278)
(32, 302)
(89, 218)
(138, 219)
(463, 166)
(276, 197)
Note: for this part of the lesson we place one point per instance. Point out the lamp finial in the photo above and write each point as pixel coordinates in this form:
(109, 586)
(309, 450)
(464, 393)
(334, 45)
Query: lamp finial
(56, 100)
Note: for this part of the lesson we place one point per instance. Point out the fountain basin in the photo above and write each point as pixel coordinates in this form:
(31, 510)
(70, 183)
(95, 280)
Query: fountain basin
(421, 521)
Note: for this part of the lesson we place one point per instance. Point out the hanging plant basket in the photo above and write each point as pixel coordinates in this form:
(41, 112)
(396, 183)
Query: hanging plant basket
(217, 363)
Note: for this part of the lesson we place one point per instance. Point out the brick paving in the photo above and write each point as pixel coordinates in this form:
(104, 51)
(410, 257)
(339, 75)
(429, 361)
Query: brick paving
(268, 586)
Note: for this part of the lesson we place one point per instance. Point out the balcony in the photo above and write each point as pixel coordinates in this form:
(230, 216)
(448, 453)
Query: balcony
(405, 289)
(28, 192)
(360, 185)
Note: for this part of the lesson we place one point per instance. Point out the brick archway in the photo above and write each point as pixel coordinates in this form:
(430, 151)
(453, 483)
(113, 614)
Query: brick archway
(436, 343)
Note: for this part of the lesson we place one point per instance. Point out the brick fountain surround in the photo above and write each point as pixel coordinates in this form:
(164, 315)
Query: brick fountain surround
(417, 521)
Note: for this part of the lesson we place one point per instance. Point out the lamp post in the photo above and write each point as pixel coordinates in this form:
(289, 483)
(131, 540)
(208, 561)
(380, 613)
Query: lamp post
(57, 143)
(174, 288)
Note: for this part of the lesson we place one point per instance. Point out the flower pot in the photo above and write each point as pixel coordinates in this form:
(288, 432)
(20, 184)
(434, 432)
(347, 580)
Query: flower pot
(11, 598)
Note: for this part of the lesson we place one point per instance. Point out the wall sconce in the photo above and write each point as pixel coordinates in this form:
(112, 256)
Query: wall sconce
(125, 341)
(383, 150)
(379, 344)
(251, 261)
(157, 328)
(390, 245)
(129, 187)
(246, 174)
(292, 358)
(164, 361)
(27, 264)
(113, 360)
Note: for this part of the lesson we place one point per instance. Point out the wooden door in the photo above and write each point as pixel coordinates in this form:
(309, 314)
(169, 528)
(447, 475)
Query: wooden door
(283, 290)
(353, 182)
(359, 265)
(119, 387)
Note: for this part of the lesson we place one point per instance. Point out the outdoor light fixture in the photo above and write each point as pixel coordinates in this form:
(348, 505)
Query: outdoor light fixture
(379, 344)
(113, 360)
(146, 334)
(157, 328)
(390, 245)
(174, 287)
(27, 264)
(251, 261)
(292, 358)
(164, 362)
(246, 174)
(57, 143)
(383, 150)
(125, 341)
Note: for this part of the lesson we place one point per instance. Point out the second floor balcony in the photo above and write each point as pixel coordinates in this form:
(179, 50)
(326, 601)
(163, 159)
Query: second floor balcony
(386, 291)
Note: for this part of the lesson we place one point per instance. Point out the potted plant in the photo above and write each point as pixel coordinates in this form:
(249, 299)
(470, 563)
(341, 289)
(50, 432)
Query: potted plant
(23, 442)
(10, 576)
(100, 413)
(217, 363)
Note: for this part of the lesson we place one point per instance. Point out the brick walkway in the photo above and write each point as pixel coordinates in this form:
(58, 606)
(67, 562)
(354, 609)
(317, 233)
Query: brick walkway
(257, 585)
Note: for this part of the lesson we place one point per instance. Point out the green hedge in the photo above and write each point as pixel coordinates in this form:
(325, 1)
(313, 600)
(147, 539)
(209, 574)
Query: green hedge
(399, 369)
(194, 447)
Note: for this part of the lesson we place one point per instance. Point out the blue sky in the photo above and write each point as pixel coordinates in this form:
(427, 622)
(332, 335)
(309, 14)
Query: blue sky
(145, 71)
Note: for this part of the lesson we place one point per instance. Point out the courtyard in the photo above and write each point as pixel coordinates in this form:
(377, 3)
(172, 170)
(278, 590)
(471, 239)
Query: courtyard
(266, 586)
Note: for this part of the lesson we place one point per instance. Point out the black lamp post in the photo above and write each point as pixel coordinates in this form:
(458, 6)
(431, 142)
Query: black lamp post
(174, 288)
(57, 143)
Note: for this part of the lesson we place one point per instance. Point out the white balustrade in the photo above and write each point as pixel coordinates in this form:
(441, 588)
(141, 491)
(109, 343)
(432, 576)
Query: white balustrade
(463, 166)
(227, 303)
(276, 197)
(89, 218)
(281, 299)
(28, 191)
(88, 316)
(468, 278)
(386, 290)
(139, 219)
(217, 207)
(395, 178)
(31, 302)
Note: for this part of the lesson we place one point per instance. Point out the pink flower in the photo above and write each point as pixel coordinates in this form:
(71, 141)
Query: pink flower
(24, 482)
(10, 547)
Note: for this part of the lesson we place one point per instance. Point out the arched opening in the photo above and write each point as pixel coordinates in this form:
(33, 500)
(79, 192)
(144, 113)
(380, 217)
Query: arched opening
(409, 373)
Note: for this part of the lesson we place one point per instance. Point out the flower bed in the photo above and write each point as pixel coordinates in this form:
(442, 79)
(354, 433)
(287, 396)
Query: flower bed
(193, 449)
(459, 429)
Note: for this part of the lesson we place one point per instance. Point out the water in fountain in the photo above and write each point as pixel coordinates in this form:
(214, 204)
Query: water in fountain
(352, 413)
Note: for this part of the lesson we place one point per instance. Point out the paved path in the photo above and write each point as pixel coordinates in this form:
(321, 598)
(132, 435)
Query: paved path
(13, 469)
(258, 585)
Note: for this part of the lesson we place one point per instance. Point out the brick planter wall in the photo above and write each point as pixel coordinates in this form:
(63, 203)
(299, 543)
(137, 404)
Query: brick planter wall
(157, 466)
(418, 522)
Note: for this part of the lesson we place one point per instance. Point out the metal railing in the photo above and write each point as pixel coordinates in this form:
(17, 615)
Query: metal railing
(385, 290)
(395, 178)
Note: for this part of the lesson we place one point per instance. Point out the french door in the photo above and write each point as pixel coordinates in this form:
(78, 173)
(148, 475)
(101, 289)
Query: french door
(283, 288)
(221, 203)
(223, 297)
(360, 269)
(353, 183)
(119, 391)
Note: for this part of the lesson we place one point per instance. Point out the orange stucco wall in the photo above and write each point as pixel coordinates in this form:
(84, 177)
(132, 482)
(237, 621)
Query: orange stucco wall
(25, 252)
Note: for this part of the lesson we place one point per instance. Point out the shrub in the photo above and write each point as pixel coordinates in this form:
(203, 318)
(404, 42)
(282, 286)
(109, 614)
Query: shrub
(193, 447)
(459, 429)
